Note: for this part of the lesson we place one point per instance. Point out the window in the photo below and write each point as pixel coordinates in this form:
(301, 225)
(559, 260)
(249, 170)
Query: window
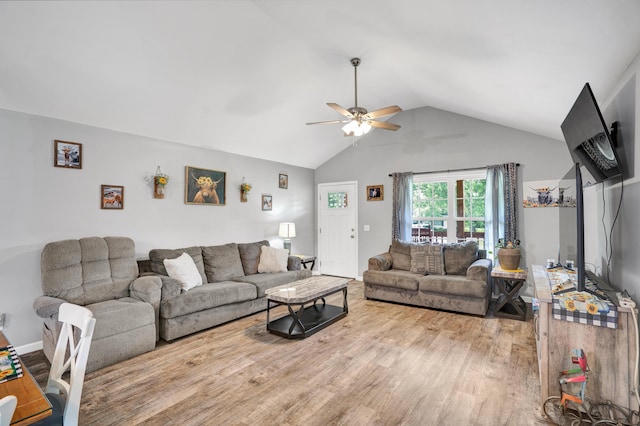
(449, 207)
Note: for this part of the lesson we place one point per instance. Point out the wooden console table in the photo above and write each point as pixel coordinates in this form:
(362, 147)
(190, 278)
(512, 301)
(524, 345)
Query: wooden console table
(610, 352)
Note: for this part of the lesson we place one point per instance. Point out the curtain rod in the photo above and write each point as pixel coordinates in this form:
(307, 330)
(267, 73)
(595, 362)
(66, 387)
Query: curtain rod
(452, 170)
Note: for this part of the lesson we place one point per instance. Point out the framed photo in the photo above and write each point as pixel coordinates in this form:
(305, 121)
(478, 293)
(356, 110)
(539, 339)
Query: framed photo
(205, 187)
(67, 154)
(283, 181)
(111, 197)
(375, 193)
(267, 203)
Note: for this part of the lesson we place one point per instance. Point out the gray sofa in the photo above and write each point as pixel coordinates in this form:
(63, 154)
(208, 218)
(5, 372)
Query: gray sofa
(453, 277)
(100, 274)
(232, 287)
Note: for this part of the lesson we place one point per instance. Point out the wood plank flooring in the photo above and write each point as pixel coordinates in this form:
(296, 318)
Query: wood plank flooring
(384, 364)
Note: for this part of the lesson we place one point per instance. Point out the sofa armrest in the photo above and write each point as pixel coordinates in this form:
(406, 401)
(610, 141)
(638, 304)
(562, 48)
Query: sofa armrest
(294, 263)
(480, 270)
(147, 288)
(381, 262)
(170, 286)
(47, 306)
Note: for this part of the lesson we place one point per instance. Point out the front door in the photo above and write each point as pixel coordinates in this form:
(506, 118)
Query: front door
(337, 230)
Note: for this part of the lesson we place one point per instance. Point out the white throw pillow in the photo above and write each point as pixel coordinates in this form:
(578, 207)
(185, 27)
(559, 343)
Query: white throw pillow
(273, 259)
(183, 269)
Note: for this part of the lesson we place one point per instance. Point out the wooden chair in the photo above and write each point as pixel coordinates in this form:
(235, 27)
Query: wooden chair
(7, 407)
(66, 407)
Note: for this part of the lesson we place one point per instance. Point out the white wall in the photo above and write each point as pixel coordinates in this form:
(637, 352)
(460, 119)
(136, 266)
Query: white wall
(432, 139)
(616, 250)
(43, 203)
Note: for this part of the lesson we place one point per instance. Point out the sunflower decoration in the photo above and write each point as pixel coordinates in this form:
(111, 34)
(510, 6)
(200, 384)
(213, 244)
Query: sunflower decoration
(592, 308)
(570, 305)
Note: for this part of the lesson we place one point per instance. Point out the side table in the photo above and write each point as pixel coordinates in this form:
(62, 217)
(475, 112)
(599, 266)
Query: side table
(304, 259)
(509, 303)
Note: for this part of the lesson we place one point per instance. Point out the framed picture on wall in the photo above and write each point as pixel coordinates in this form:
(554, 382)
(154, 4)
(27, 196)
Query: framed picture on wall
(204, 186)
(67, 154)
(375, 193)
(111, 197)
(267, 203)
(283, 181)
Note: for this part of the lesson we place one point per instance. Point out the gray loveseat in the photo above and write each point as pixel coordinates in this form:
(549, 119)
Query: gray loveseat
(232, 287)
(454, 277)
(100, 274)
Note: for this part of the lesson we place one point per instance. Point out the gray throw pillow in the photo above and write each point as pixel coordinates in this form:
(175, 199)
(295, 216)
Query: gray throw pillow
(250, 256)
(459, 256)
(427, 259)
(401, 255)
(222, 263)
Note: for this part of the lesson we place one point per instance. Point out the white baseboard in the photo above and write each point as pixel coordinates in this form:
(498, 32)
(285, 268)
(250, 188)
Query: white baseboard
(29, 347)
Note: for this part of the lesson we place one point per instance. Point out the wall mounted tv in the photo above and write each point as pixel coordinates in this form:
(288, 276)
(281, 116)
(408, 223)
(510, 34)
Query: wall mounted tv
(589, 140)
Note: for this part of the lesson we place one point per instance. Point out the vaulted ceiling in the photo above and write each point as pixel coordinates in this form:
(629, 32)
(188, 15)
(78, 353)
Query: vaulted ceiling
(245, 76)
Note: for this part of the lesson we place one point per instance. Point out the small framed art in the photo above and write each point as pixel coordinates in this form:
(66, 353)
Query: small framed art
(205, 187)
(112, 197)
(67, 154)
(375, 193)
(283, 181)
(267, 203)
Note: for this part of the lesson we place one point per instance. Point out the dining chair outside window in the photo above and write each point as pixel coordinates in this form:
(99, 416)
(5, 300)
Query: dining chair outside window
(66, 407)
(7, 407)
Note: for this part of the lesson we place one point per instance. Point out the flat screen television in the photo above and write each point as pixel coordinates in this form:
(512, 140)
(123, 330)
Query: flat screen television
(571, 224)
(588, 138)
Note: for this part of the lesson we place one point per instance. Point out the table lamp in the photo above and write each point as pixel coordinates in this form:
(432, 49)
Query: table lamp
(287, 231)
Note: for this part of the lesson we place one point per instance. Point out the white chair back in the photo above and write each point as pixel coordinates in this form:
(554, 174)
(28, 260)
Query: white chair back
(82, 319)
(7, 407)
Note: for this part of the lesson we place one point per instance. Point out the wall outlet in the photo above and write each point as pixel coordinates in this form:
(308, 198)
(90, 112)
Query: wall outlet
(626, 302)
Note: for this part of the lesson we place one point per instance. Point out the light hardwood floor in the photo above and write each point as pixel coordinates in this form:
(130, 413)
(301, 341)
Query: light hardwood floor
(384, 364)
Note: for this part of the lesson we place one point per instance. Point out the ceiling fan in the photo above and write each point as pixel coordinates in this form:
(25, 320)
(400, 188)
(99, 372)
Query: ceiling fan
(360, 121)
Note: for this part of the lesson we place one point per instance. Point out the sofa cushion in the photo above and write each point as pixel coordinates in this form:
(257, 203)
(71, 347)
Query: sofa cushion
(207, 296)
(266, 281)
(273, 259)
(455, 285)
(250, 256)
(119, 316)
(401, 255)
(157, 257)
(222, 263)
(183, 269)
(427, 259)
(392, 278)
(459, 256)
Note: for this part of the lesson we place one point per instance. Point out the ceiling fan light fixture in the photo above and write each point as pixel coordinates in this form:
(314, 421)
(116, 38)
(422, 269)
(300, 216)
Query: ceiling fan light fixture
(356, 129)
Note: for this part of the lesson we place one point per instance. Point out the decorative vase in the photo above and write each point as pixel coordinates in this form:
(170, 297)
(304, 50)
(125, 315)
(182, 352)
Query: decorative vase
(243, 196)
(158, 190)
(509, 258)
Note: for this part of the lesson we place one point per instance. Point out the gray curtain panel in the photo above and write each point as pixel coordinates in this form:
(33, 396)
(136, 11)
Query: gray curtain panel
(402, 206)
(501, 219)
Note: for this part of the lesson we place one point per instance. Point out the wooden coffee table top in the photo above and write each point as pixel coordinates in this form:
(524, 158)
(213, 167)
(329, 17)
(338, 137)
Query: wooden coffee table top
(306, 290)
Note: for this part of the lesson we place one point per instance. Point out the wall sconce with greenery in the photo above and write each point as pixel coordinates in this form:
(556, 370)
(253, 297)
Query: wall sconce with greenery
(244, 190)
(159, 182)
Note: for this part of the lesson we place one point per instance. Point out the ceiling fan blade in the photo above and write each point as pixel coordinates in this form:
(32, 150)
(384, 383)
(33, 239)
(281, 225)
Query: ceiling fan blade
(340, 109)
(384, 125)
(329, 122)
(383, 111)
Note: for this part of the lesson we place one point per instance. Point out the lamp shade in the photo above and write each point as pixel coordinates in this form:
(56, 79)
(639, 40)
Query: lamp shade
(287, 230)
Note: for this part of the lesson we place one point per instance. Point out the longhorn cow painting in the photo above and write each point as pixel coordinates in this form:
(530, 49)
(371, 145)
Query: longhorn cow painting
(558, 193)
(205, 187)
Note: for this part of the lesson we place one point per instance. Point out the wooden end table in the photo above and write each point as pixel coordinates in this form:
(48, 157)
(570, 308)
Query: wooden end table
(509, 303)
(304, 260)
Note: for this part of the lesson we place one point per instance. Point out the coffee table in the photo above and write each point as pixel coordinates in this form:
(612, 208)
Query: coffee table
(303, 322)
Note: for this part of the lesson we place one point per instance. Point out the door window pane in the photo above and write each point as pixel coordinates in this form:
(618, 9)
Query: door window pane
(337, 200)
